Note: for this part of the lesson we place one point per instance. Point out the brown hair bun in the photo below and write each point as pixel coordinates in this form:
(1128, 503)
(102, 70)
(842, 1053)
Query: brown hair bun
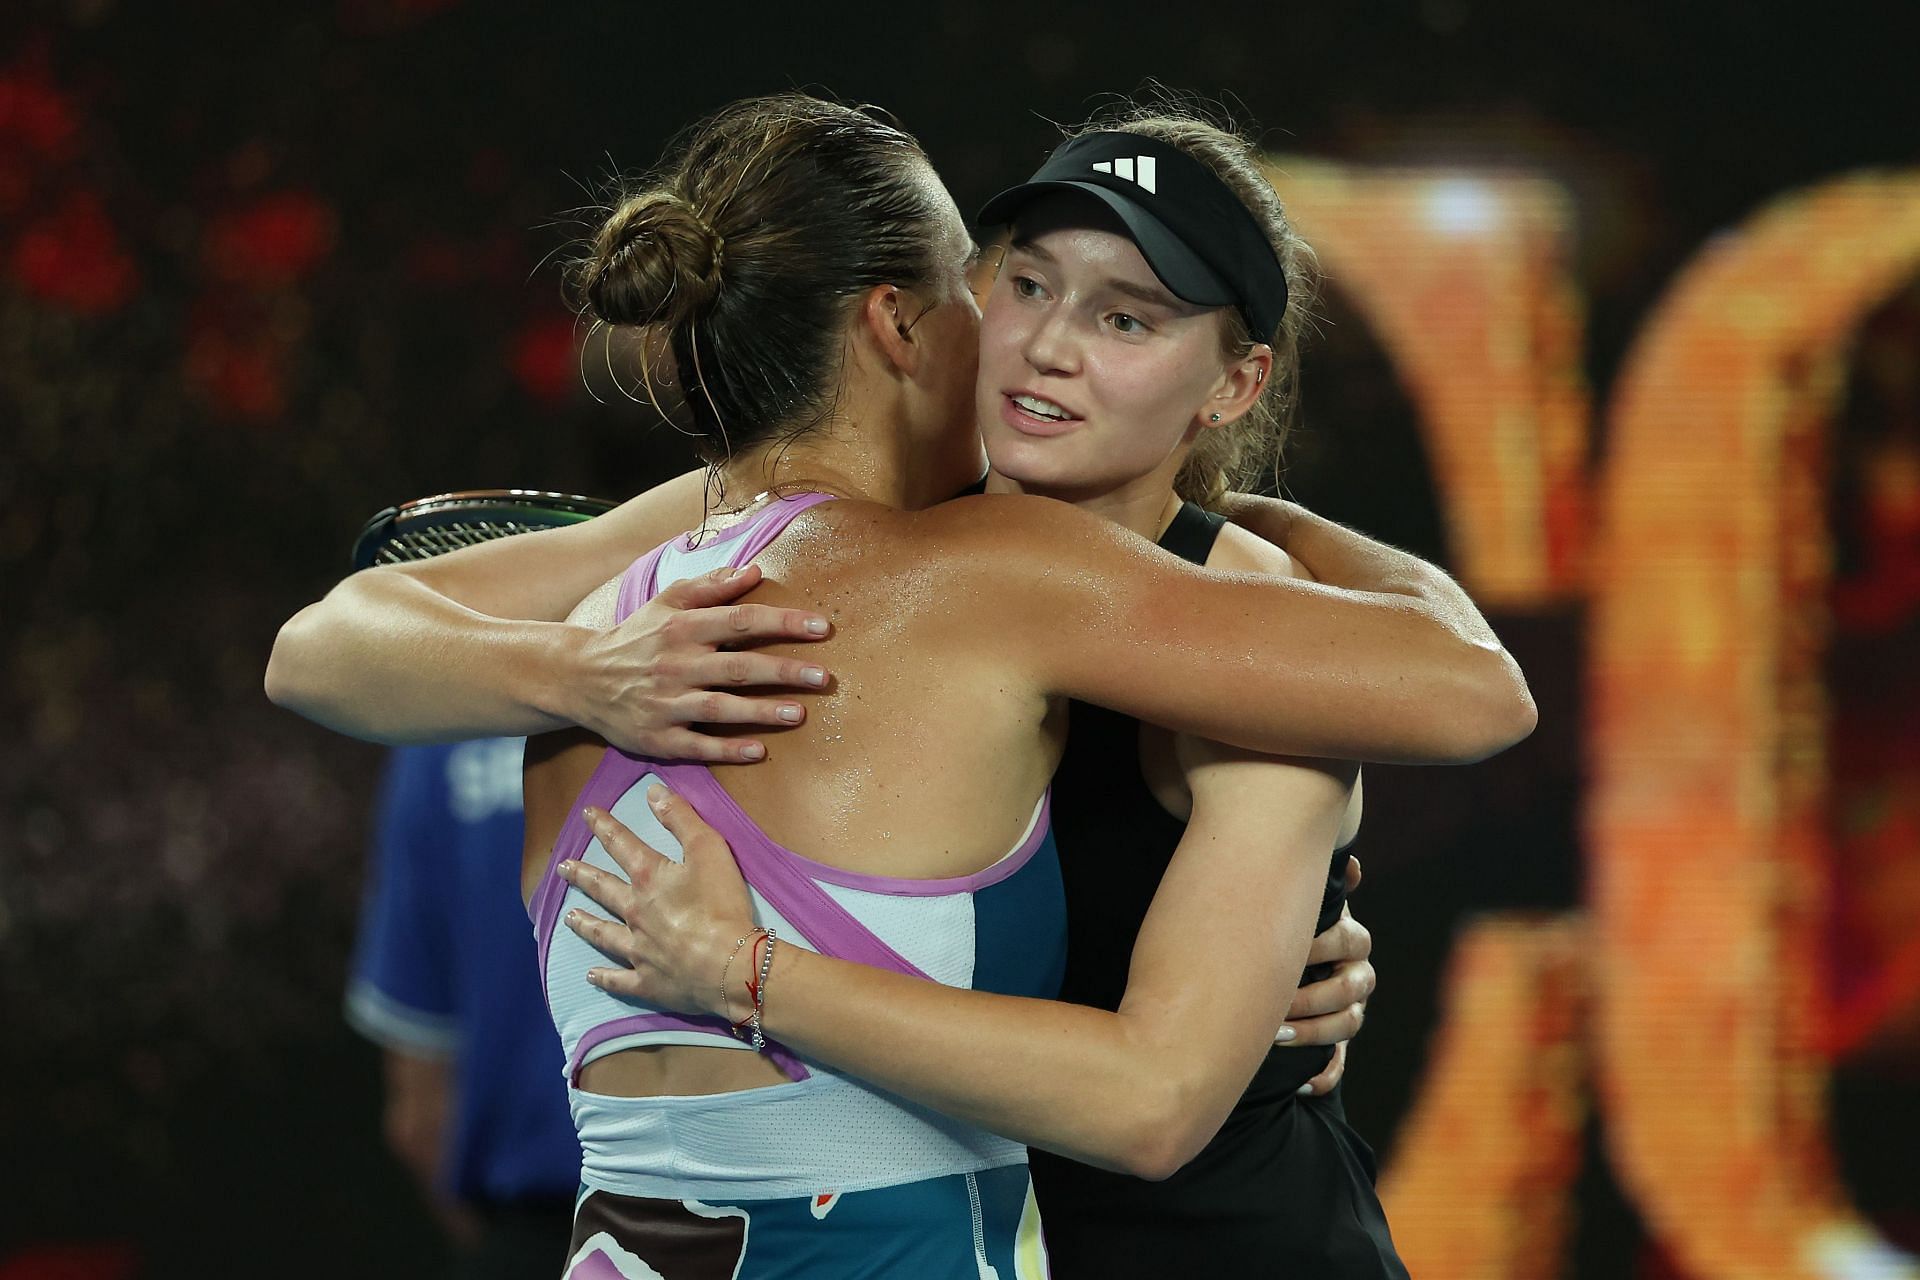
(746, 249)
(654, 261)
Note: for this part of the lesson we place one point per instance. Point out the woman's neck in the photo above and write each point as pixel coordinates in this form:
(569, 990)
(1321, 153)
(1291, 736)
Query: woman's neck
(1146, 504)
(863, 452)
(819, 462)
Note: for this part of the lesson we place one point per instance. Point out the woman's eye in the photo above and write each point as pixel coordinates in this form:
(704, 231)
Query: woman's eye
(1124, 323)
(1026, 286)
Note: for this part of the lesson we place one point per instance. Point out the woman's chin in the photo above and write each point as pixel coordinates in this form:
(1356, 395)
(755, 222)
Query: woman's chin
(1020, 467)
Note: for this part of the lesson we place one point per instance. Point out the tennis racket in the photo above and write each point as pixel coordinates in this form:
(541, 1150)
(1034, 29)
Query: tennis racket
(427, 527)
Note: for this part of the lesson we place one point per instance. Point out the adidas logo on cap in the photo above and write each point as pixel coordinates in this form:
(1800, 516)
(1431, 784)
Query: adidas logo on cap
(1135, 169)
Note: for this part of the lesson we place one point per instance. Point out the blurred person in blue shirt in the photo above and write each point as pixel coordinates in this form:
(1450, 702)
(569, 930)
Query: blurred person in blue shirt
(446, 982)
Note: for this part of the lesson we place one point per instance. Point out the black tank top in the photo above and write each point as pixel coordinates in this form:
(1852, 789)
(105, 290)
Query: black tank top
(1116, 841)
(1285, 1179)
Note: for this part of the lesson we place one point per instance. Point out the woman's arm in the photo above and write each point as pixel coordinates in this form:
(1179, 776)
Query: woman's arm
(1340, 557)
(1140, 1090)
(473, 644)
(1088, 610)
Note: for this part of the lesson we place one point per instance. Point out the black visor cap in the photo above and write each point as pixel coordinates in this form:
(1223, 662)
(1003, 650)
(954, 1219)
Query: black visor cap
(1198, 237)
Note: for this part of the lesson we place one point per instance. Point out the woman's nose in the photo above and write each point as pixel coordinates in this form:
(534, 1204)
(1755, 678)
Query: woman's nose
(1050, 347)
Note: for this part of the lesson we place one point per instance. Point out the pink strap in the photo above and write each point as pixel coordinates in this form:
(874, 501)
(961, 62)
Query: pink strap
(640, 583)
(637, 584)
(793, 894)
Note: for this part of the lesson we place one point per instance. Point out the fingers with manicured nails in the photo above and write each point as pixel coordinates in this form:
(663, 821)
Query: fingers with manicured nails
(1349, 983)
(747, 667)
(679, 817)
(679, 660)
(1327, 1028)
(708, 706)
(1345, 940)
(1324, 1082)
(745, 624)
(604, 936)
(1309, 1033)
(610, 892)
(710, 589)
(636, 857)
(621, 982)
(685, 744)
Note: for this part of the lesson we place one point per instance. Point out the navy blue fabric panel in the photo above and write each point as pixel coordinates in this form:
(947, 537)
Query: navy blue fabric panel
(1019, 929)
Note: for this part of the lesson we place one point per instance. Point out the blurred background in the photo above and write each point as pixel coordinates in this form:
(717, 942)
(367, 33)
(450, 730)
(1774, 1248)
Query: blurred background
(1622, 326)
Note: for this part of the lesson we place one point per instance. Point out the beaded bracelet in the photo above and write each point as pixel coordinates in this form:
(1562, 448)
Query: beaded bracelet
(758, 991)
(726, 1002)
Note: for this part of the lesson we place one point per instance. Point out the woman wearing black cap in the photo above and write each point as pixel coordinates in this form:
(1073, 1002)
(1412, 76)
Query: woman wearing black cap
(1149, 269)
(1127, 237)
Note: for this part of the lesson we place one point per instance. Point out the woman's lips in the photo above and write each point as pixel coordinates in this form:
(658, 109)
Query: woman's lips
(1032, 424)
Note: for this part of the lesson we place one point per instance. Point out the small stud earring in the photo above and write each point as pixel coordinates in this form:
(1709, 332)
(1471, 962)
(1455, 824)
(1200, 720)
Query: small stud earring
(1215, 418)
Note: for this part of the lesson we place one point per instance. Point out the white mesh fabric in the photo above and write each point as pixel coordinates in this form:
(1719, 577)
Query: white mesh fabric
(676, 563)
(935, 934)
(828, 1133)
(577, 1005)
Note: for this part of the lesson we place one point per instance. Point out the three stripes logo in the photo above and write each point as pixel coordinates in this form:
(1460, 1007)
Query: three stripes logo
(1135, 169)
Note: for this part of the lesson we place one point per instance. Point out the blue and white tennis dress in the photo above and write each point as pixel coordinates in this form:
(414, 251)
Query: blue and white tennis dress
(824, 1175)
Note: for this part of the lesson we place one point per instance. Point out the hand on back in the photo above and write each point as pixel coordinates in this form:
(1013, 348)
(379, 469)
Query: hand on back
(688, 658)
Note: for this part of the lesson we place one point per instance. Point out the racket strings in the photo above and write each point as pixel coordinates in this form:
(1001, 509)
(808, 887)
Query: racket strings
(424, 544)
(446, 522)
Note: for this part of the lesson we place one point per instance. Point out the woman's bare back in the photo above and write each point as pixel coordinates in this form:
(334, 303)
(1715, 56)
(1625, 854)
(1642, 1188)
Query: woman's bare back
(920, 759)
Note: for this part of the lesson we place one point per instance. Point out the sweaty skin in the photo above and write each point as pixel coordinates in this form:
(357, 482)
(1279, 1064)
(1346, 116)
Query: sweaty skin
(1138, 1090)
(1013, 604)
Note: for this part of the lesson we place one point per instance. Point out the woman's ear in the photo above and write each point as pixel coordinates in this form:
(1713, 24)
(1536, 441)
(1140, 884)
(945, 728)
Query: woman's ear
(886, 320)
(1239, 387)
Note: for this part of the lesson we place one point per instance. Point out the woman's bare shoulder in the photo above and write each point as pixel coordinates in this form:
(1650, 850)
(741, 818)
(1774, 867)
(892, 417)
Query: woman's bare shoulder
(998, 526)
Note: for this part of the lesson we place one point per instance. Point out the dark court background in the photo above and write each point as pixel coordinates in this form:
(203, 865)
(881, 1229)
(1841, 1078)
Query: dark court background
(265, 269)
